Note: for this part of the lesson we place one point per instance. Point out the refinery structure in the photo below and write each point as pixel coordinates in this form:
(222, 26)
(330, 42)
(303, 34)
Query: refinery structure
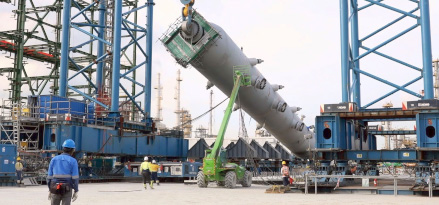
(93, 85)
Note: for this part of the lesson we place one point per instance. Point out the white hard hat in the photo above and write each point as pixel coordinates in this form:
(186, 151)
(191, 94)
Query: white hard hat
(145, 158)
(153, 161)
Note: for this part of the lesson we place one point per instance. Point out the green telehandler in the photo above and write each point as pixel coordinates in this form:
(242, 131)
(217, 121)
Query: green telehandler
(215, 165)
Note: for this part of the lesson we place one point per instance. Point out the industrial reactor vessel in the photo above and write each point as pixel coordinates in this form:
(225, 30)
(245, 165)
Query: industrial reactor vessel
(195, 42)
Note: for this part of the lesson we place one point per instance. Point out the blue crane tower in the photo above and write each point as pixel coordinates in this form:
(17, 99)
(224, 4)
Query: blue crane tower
(342, 131)
(95, 55)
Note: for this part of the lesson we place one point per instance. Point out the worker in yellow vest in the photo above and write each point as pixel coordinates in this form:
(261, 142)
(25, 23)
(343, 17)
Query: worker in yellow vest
(19, 170)
(144, 170)
(153, 167)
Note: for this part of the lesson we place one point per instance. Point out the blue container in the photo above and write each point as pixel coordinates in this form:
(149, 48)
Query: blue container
(427, 125)
(331, 132)
(8, 154)
(51, 104)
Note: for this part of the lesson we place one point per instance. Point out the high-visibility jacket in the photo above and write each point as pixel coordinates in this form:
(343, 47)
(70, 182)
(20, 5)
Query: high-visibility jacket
(18, 166)
(153, 167)
(144, 166)
(63, 168)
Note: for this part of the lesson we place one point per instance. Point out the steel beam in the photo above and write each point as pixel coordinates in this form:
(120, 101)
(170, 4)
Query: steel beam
(88, 97)
(101, 49)
(130, 97)
(386, 42)
(147, 88)
(18, 61)
(134, 38)
(344, 40)
(135, 25)
(387, 25)
(426, 49)
(65, 49)
(83, 10)
(393, 59)
(388, 83)
(133, 85)
(116, 57)
(368, 5)
(391, 92)
(356, 97)
(393, 9)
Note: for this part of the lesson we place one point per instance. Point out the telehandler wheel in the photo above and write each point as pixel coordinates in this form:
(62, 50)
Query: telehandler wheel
(247, 180)
(230, 179)
(201, 180)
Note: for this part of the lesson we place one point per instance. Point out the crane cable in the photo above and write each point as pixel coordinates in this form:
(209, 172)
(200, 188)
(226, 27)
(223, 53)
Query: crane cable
(200, 116)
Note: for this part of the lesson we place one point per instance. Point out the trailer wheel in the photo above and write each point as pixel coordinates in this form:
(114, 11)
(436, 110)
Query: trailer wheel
(201, 180)
(247, 180)
(230, 180)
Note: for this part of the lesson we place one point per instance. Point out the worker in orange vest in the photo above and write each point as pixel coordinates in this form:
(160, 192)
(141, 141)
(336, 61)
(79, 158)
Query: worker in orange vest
(153, 168)
(285, 173)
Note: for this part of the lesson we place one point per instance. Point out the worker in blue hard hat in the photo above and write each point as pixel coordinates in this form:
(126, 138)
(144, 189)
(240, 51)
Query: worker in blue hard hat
(63, 176)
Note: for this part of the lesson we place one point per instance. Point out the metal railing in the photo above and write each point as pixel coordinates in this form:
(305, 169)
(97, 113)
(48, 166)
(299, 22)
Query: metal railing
(57, 108)
(395, 181)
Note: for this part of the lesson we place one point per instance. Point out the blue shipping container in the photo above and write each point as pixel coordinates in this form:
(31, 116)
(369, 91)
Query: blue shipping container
(51, 104)
(8, 154)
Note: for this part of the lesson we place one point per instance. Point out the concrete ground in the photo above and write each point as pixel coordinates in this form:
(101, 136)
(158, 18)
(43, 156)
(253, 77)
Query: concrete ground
(169, 193)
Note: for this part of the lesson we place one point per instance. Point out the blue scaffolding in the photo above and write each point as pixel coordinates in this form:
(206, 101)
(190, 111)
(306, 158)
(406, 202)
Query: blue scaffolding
(351, 57)
(109, 34)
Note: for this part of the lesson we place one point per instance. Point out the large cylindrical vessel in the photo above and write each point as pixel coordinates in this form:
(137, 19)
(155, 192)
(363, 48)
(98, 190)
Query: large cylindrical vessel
(209, 49)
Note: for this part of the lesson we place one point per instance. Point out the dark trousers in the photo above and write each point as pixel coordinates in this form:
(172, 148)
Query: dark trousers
(20, 175)
(65, 199)
(146, 175)
(286, 181)
(154, 176)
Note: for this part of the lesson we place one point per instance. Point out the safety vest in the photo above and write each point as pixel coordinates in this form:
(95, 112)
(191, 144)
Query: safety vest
(153, 167)
(144, 166)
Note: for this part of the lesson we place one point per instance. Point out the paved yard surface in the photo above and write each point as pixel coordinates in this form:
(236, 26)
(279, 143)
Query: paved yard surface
(133, 193)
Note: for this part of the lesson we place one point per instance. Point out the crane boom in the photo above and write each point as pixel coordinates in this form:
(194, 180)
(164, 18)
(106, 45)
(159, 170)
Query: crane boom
(220, 137)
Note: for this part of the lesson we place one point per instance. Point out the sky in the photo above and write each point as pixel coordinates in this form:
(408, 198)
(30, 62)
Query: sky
(299, 41)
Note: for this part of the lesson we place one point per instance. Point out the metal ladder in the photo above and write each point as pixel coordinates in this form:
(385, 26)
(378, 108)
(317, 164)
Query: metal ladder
(25, 125)
(16, 108)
